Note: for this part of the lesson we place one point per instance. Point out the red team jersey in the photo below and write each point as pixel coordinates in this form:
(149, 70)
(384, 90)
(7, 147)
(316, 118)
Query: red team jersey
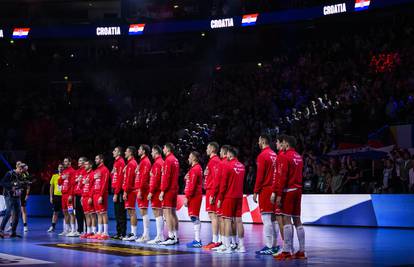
(67, 183)
(155, 182)
(128, 183)
(193, 190)
(211, 176)
(142, 180)
(231, 189)
(265, 175)
(80, 174)
(118, 175)
(87, 191)
(100, 188)
(169, 181)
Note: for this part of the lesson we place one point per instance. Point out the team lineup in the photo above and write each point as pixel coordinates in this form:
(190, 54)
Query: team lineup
(155, 184)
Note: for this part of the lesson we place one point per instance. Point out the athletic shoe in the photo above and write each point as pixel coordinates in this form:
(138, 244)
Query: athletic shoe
(94, 236)
(9, 229)
(211, 245)
(240, 249)
(234, 246)
(51, 229)
(84, 236)
(300, 255)
(222, 246)
(64, 233)
(103, 237)
(142, 239)
(116, 237)
(75, 234)
(265, 251)
(14, 235)
(170, 242)
(26, 229)
(194, 244)
(155, 241)
(275, 250)
(129, 237)
(225, 250)
(70, 234)
(283, 256)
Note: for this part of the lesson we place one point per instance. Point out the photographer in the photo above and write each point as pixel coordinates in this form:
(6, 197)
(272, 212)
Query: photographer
(12, 188)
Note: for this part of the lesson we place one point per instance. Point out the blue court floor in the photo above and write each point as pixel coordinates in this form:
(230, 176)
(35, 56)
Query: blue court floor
(326, 246)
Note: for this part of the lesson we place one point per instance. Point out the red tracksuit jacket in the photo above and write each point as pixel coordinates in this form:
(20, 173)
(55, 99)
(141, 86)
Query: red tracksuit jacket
(193, 185)
(101, 180)
(80, 174)
(219, 177)
(155, 174)
(232, 180)
(142, 178)
(170, 172)
(118, 175)
(211, 172)
(289, 172)
(129, 175)
(87, 188)
(266, 169)
(67, 184)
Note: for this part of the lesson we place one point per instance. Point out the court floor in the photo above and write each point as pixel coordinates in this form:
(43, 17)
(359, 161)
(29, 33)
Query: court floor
(326, 246)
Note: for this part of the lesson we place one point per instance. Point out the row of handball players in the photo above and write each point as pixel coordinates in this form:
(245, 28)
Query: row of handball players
(138, 180)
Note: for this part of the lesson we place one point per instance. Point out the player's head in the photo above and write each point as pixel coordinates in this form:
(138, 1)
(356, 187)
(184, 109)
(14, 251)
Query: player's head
(18, 163)
(81, 161)
(117, 152)
(130, 152)
(264, 141)
(99, 159)
(223, 151)
(144, 150)
(88, 164)
(25, 167)
(60, 167)
(279, 142)
(67, 162)
(232, 153)
(289, 142)
(193, 158)
(156, 151)
(168, 148)
(212, 148)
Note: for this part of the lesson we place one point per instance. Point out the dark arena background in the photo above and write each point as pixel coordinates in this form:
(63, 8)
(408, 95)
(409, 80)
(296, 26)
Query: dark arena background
(332, 80)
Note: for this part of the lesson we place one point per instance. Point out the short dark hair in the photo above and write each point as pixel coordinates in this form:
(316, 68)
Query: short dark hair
(120, 149)
(68, 158)
(215, 146)
(157, 148)
(291, 140)
(100, 156)
(225, 148)
(170, 147)
(196, 155)
(265, 137)
(132, 149)
(83, 158)
(89, 161)
(234, 151)
(280, 137)
(146, 148)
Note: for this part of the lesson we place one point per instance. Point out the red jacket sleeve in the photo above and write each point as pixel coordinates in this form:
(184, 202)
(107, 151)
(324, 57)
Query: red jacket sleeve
(120, 176)
(72, 183)
(155, 178)
(104, 182)
(166, 176)
(192, 182)
(144, 174)
(224, 182)
(218, 178)
(281, 175)
(91, 184)
(260, 174)
(129, 179)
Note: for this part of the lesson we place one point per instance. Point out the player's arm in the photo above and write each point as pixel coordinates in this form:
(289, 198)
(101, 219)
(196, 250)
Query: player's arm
(120, 179)
(104, 183)
(166, 177)
(260, 173)
(224, 183)
(281, 178)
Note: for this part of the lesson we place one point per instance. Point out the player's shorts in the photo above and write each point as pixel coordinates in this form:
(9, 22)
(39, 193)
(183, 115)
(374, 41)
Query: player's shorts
(265, 205)
(170, 200)
(100, 208)
(87, 209)
(143, 203)
(194, 206)
(131, 198)
(210, 207)
(155, 201)
(232, 208)
(291, 203)
(65, 201)
(57, 203)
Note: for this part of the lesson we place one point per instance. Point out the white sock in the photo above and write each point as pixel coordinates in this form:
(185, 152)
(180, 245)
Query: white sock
(267, 230)
(146, 222)
(215, 238)
(89, 230)
(160, 227)
(197, 228)
(170, 234)
(233, 239)
(99, 228)
(105, 227)
(241, 242)
(226, 241)
(67, 227)
(134, 230)
(175, 234)
(300, 231)
(288, 244)
(73, 227)
(275, 233)
(220, 239)
(94, 229)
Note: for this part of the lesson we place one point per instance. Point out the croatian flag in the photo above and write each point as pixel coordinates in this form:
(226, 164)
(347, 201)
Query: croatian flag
(20, 33)
(249, 20)
(361, 4)
(136, 29)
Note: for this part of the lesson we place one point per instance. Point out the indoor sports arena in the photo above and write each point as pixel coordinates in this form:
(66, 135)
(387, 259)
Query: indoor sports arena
(207, 133)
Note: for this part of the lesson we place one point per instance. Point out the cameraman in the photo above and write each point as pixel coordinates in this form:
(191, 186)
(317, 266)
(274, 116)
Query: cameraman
(12, 192)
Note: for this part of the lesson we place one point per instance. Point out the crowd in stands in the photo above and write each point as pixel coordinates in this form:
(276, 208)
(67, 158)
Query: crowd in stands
(324, 91)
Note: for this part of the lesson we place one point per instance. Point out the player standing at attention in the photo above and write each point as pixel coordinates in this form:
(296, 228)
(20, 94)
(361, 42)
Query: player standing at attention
(87, 199)
(266, 170)
(169, 193)
(100, 197)
(129, 191)
(117, 181)
(142, 180)
(194, 195)
(80, 173)
(231, 200)
(210, 175)
(154, 193)
(288, 194)
(67, 180)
